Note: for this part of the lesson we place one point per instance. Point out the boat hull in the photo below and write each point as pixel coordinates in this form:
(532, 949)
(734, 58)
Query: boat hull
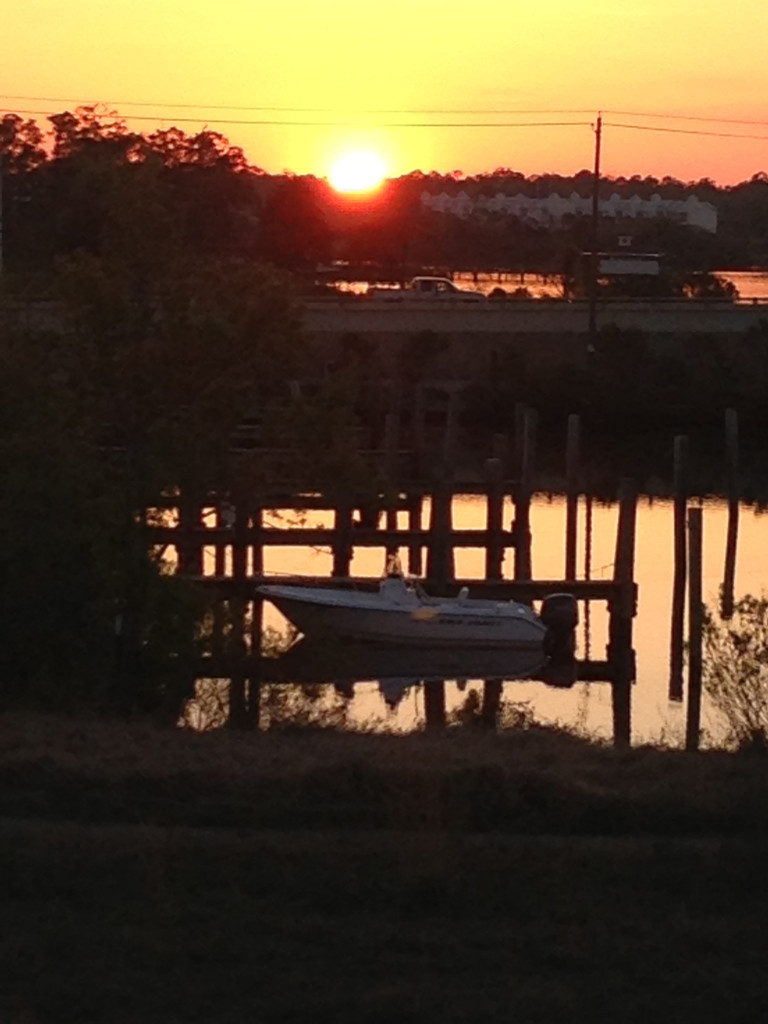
(430, 625)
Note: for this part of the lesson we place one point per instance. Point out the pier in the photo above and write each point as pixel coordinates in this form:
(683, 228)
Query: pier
(222, 544)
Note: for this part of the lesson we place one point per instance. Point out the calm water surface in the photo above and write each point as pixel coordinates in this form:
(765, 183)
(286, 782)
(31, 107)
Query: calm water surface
(586, 706)
(751, 284)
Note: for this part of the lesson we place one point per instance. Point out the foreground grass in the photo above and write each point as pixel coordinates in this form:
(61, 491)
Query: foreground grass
(521, 781)
(161, 878)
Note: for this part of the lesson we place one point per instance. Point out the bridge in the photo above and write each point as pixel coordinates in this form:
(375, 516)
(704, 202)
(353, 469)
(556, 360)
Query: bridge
(362, 315)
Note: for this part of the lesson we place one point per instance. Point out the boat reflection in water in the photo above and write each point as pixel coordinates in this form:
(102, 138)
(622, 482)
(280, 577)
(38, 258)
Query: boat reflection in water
(396, 669)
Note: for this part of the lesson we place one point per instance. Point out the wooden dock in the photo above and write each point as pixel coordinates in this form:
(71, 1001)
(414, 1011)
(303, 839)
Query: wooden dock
(222, 545)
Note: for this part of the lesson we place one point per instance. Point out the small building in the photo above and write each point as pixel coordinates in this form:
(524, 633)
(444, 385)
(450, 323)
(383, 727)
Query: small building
(627, 264)
(618, 272)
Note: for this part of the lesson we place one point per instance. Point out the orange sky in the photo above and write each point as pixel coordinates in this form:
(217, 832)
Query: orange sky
(352, 56)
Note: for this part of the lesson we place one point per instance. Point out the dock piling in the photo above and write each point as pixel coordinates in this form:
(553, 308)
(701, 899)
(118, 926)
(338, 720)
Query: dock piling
(732, 534)
(695, 629)
(434, 704)
(494, 551)
(440, 568)
(414, 523)
(524, 495)
(572, 488)
(622, 612)
(680, 491)
(342, 548)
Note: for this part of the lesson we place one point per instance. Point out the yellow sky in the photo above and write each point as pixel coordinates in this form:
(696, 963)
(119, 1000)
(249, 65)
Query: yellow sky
(705, 59)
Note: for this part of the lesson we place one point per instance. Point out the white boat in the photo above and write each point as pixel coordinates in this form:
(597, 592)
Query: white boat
(401, 613)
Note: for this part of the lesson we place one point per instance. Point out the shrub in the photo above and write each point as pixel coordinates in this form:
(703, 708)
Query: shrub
(736, 669)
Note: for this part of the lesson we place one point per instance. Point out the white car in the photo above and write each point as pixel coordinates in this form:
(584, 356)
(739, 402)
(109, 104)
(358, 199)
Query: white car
(431, 288)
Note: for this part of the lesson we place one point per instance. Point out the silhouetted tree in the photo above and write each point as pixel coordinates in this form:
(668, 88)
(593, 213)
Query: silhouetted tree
(132, 402)
(294, 232)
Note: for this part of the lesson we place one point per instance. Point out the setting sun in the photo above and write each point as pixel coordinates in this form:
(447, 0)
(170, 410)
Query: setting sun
(359, 171)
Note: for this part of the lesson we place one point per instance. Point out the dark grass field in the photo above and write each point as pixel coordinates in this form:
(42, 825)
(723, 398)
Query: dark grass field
(159, 877)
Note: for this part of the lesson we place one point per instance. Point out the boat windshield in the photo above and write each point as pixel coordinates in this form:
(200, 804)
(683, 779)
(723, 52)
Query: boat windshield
(394, 568)
(396, 588)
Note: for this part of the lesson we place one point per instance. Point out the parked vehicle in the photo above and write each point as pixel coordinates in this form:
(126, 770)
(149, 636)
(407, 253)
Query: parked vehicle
(440, 289)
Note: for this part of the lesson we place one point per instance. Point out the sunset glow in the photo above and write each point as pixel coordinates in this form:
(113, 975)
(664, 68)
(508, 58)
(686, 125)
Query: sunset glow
(359, 171)
(426, 82)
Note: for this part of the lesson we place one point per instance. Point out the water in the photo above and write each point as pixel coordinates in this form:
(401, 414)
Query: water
(751, 284)
(586, 707)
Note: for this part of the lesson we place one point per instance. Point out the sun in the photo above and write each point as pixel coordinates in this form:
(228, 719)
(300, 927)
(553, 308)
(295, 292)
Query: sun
(358, 171)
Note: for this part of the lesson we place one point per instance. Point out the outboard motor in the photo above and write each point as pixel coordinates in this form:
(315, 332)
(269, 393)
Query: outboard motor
(560, 671)
(560, 614)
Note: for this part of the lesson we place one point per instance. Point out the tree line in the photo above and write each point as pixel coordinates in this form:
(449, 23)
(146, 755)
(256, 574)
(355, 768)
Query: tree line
(82, 184)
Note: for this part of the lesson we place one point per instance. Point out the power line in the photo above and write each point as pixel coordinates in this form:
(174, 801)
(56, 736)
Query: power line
(684, 131)
(285, 123)
(416, 111)
(295, 110)
(338, 124)
(685, 117)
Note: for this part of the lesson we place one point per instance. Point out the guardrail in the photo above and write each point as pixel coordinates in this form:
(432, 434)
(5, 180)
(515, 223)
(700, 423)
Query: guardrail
(347, 301)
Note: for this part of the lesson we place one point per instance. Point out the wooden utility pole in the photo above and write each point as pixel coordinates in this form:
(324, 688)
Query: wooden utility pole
(593, 259)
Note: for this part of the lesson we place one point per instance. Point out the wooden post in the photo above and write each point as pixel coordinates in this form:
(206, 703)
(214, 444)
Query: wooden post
(695, 629)
(390, 521)
(572, 467)
(237, 700)
(732, 456)
(257, 543)
(240, 544)
(450, 431)
(220, 552)
(624, 561)
(494, 551)
(622, 611)
(342, 540)
(587, 567)
(520, 413)
(434, 704)
(489, 712)
(253, 681)
(414, 523)
(440, 552)
(501, 451)
(254, 698)
(680, 489)
(219, 568)
(257, 623)
(419, 432)
(523, 497)
(189, 549)
(391, 446)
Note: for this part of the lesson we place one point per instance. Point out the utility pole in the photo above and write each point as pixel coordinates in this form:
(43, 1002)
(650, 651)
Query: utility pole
(593, 258)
